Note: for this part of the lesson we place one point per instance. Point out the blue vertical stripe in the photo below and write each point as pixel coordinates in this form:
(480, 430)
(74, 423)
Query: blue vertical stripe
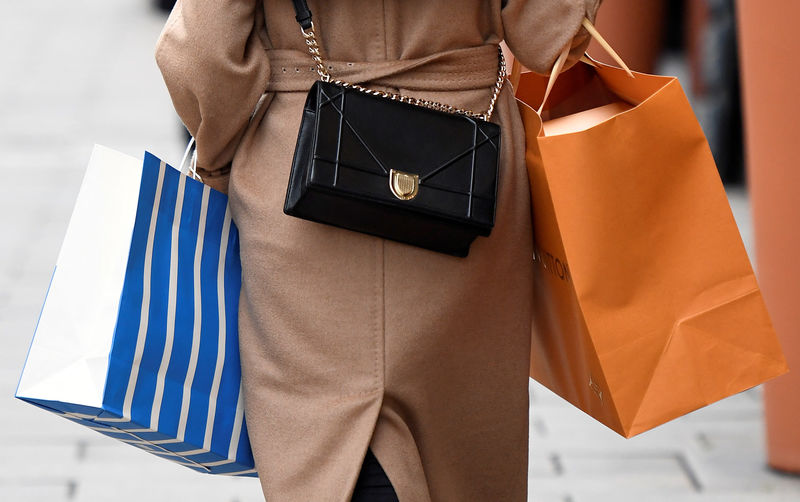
(124, 341)
(231, 373)
(141, 335)
(222, 333)
(244, 454)
(159, 295)
(184, 314)
(194, 350)
(198, 408)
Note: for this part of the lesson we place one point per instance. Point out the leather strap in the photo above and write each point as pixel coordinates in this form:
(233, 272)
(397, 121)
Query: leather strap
(302, 13)
(303, 16)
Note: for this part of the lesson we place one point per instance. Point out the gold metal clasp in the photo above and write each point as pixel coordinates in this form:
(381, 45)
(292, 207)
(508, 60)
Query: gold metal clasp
(404, 186)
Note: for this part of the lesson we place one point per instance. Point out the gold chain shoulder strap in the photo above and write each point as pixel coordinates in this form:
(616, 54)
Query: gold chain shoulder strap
(314, 50)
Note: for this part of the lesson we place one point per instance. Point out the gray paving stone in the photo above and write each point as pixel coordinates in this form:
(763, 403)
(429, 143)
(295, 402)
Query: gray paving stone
(725, 496)
(718, 449)
(107, 466)
(22, 423)
(123, 461)
(535, 494)
(38, 463)
(544, 465)
(720, 465)
(135, 490)
(25, 301)
(38, 491)
(9, 376)
(18, 339)
(656, 472)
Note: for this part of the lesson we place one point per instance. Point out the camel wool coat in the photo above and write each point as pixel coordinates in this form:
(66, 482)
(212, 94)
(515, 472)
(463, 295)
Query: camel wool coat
(347, 340)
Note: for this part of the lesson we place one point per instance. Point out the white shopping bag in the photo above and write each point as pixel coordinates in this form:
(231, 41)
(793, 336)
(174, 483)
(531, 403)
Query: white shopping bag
(137, 338)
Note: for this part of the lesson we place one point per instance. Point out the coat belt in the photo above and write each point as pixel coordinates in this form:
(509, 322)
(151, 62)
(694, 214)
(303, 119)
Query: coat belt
(453, 70)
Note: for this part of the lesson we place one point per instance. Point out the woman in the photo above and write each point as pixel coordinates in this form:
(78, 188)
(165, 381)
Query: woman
(354, 345)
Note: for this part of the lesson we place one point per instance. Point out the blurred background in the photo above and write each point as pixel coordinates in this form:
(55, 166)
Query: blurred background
(82, 72)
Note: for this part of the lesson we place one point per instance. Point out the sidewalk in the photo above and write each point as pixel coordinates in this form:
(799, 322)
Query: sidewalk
(79, 73)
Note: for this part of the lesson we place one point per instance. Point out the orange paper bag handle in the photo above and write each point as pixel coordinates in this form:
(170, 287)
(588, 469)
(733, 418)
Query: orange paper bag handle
(516, 67)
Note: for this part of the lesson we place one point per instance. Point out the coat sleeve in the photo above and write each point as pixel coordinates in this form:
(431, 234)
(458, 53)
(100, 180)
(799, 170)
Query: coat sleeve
(537, 31)
(212, 55)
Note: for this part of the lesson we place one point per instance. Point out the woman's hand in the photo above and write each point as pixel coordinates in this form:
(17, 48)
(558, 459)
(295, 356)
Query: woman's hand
(538, 31)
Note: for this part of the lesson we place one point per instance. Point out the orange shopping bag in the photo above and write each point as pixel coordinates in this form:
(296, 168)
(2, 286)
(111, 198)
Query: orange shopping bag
(647, 307)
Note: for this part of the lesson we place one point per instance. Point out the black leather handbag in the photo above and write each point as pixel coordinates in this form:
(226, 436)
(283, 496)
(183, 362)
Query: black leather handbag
(397, 167)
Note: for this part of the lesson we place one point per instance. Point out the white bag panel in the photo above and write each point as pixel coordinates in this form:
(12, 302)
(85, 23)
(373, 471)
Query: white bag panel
(68, 359)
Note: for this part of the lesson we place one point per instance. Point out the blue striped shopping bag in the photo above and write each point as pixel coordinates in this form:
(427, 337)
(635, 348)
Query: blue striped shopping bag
(137, 338)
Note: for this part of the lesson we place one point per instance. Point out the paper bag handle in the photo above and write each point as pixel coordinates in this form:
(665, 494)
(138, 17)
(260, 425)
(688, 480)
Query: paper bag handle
(189, 161)
(605, 45)
(516, 67)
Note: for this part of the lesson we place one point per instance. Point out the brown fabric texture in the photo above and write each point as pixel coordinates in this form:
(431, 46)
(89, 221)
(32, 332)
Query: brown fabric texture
(350, 341)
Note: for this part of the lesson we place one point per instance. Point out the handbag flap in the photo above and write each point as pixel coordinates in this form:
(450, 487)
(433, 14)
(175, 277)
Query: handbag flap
(360, 138)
